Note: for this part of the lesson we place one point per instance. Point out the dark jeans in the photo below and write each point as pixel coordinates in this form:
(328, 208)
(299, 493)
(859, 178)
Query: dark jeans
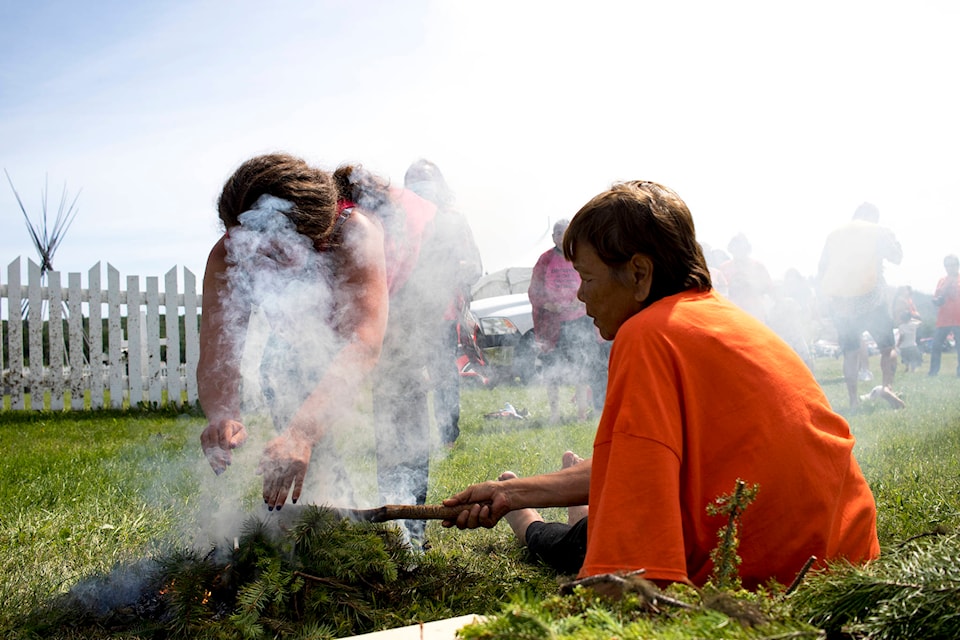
(560, 546)
(939, 342)
(445, 380)
(402, 426)
(853, 316)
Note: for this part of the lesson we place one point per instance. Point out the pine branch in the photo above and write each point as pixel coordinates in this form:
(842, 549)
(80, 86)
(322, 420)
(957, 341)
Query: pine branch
(726, 561)
(908, 593)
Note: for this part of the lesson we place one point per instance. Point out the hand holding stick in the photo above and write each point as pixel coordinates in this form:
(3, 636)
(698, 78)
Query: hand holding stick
(404, 512)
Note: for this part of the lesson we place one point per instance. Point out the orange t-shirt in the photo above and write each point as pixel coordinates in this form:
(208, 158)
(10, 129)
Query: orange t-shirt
(948, 313)
(700, 394)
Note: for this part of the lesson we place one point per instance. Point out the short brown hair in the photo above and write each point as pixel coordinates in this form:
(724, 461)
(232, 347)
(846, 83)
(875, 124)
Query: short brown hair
(647, 218)
(312, 192)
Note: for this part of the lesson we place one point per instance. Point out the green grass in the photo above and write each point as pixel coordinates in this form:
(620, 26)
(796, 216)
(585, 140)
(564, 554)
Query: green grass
(77, 496)
(85, 492)
(911, 457)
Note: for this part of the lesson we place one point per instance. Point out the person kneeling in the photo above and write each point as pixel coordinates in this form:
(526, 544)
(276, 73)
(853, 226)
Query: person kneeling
(700, 396)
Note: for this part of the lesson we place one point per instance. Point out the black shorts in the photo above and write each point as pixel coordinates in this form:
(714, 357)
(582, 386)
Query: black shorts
(853, 316)
(559, 545)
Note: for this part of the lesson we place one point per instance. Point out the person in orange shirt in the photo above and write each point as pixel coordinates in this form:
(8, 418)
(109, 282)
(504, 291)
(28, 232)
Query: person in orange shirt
(700, 394)
(947, 300)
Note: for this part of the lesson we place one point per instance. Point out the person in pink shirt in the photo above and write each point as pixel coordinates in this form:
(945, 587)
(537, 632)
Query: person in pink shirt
(569, 344)
(947, 299)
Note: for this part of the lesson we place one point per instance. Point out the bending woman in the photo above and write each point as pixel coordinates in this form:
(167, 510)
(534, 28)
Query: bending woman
(314, 265)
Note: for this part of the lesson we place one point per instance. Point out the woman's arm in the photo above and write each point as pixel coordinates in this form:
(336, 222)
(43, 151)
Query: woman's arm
(565, 488)
(218, 370)
(360, 315)
(362, 306)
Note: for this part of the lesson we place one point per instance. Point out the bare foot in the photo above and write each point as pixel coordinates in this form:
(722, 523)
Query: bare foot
(578, 513)
(569, 459)
(895, 401)
(520, 519)
(886, 393)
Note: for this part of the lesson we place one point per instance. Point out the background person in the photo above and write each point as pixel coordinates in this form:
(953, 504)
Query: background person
(749, 284)
(786, 318)
(419, 295)
(907, 345)
(700, 394)
(458, 259)
(317, 271)
(569, 346)
(903, 302)
(946, 297)
(715, 258)
(850, 280)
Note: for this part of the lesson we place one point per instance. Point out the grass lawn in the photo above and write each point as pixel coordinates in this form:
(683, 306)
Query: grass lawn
(85, 492)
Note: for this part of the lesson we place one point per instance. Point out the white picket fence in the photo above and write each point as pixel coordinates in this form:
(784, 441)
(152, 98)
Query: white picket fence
(131, 370)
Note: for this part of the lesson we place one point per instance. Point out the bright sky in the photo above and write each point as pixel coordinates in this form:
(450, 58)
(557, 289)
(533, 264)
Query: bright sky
(773, 119)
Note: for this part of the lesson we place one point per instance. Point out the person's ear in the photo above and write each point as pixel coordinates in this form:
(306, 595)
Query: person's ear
(641, 273)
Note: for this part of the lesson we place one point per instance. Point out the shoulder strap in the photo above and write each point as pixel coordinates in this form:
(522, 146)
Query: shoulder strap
(336, 234)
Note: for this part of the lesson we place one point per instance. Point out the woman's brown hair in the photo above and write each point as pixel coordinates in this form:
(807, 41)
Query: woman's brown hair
(647, 218)
(312, 191)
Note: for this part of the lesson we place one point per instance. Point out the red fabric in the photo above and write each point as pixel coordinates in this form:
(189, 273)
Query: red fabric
(948, 313)
(402, 253)
(553, 280)
(701, 394)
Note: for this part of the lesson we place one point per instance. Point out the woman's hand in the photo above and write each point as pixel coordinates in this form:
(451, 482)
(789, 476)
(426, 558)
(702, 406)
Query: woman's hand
(565, 488)
(219, 439)
(495, 499)
(284, 463)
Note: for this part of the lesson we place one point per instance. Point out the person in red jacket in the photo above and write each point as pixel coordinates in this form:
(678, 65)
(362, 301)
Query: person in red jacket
(700, 395)
(457, 264)
(947, 299)
(418, 297)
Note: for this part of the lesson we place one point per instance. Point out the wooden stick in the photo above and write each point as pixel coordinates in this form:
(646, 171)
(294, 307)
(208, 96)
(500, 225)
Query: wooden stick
(405, 512)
